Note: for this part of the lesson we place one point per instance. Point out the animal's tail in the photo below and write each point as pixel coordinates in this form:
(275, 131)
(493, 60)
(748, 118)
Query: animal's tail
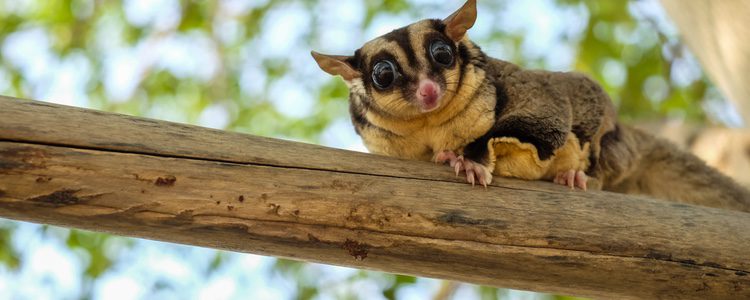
(636, 162)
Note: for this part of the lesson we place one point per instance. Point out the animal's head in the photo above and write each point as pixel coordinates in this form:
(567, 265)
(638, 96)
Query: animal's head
(410, 71)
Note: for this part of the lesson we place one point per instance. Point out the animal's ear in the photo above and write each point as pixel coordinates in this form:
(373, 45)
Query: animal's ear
(336, 65)
(460, 21)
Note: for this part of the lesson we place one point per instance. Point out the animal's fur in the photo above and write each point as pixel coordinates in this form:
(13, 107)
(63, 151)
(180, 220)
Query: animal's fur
(515, 122)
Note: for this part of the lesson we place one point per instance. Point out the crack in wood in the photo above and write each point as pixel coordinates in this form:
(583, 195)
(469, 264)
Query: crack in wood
(65, 197)
(458, 217)
(60, 198)
(662, 258)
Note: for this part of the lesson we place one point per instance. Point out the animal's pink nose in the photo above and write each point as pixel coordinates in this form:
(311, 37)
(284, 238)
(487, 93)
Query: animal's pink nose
(427, 89)
(428, 94)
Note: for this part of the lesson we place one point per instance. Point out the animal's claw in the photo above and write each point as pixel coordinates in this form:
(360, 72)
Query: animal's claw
(475, 172)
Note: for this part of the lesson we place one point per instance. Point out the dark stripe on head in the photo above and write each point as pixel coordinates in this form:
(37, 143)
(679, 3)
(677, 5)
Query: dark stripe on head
(401, 37)
(356, 60)
(463, 55)
(438, 25)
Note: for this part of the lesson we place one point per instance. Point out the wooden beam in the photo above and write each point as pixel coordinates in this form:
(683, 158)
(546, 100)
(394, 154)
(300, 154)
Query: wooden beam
(717, 33)
(185, 184)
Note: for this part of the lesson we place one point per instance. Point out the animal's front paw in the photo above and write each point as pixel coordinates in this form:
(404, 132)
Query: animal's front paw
(572, 178)
(475, 172)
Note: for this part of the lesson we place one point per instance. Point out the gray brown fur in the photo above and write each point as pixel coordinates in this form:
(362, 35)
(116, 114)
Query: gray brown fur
(487, 99)
(635, 162)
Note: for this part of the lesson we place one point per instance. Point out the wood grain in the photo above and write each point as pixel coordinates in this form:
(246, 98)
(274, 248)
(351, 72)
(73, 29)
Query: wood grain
(41, 122)
(135, 177)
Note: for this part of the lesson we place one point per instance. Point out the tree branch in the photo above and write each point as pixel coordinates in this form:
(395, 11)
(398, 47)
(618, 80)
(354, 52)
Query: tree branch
(185, 184)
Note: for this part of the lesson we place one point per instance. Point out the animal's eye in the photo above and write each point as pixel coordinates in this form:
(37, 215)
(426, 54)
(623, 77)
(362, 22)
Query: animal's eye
(384, 74)
(441, 53)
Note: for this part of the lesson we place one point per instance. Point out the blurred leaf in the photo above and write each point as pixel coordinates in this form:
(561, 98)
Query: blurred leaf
(219, 259)
(399, 282)
(195, 15)
(92, 243)
(8, 255)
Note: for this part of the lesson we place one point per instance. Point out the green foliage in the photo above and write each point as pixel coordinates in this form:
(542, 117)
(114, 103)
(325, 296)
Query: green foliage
(617, 38)
(9, 257)
(398, 282)
(375, 8)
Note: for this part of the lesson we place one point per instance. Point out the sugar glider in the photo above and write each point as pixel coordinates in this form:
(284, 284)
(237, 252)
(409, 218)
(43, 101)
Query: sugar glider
(427, 92)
